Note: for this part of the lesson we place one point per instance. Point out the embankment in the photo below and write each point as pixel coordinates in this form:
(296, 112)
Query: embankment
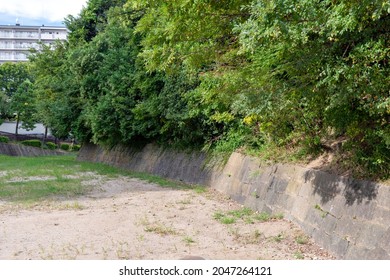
(25, 151)
(347, 217)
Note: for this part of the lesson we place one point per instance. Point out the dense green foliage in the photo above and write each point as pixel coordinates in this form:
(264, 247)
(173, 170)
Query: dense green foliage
(65, 146)
(51, 145)
(76, 148)
(32, 143)
(298, 75)
(4, 139)
(17, 99)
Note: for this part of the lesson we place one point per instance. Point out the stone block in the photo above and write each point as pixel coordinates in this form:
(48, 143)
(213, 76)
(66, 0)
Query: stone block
(315, 217)
(362, 253)
(381, 215)
(293, 188)
(301, 207)
(358, 192)
(361, 211)
(271, 196)
(384, 242)
(324, 185)
(331, 242)
(329, 224)
(383, 197)
(285, 202)
(349, 229)
(371, 235)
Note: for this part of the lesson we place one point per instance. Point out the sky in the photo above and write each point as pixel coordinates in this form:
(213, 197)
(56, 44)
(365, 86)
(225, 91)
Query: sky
(38, 12)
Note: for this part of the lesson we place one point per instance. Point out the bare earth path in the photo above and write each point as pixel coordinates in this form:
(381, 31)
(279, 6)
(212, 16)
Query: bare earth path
(127, 218)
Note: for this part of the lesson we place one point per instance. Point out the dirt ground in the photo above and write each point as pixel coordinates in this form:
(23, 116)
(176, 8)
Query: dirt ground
(126, 218)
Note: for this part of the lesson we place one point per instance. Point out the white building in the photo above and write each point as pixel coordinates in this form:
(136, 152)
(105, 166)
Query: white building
(10, 127)
(17, 40)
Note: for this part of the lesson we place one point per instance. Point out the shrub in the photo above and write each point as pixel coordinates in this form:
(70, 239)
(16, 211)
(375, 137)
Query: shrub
(4, 139)
(32, 143)
(76, 148)
(65, 147)
(51, 145)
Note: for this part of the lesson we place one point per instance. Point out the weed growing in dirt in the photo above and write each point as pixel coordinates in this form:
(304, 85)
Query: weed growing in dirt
(257, 234)
(245, 214)
(298, 255)
(199, 189)
(301, 239)
(278, 238)
(241, 212)
(227, 220)
(160, 229)
(184, 201)
(263, 217)
(188, 240)
(223, 218)
(235, 231)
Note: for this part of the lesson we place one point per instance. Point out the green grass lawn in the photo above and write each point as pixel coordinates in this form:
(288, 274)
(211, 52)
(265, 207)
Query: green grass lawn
(30, 179)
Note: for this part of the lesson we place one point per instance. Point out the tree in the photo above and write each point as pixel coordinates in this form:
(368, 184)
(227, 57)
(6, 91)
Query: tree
(4, 108)
(196, 34)
(23, 106)
(91, 20)
(323, 69)
(15, 91)
(291, 74)
(12, 75)
(57, 91)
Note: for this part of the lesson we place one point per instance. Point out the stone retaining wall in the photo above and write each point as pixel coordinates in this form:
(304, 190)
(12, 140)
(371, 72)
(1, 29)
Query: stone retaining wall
(26, 151)
(348, 217)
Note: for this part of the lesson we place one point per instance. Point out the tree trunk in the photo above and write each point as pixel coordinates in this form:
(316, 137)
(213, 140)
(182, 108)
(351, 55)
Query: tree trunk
(17, 125)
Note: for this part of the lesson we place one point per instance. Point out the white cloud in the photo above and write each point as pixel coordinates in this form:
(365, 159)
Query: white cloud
(52, 10)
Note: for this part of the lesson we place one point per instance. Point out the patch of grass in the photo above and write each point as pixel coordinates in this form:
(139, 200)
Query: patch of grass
(246, 214)
(60, 176)
(54, 166)
(141, 238)
(199, 189)
(301, 239)
(257, 234)
(227, 220)
(241, 212)
(278, 238)
(235, 232)
(298, 255)
(218, 215)
(30, 191)
(184, 201)
(249, 220)
(223, 218)
(188, 240)
(73, 206)
(263, 217)
(278, 216)
(254, 237)
(160, 229)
